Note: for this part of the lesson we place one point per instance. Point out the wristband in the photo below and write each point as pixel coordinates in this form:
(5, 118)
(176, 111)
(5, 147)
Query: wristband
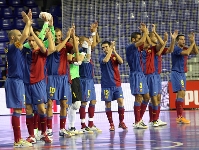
(89, 50)
(93, 33)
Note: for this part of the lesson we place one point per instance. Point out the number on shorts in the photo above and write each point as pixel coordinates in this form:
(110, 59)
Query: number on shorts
(52, 90)
(74, 95)
(182, 82)
(106, 93)
(89, 93)
(140, 85)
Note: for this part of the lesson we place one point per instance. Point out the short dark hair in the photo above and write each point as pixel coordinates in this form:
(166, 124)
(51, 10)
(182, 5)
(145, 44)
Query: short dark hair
(178, 37)
(106, 42)
(134, 35)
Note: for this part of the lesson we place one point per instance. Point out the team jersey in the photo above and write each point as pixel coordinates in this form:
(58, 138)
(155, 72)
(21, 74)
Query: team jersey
(110, 76)
(57, 62)
(42, 35)
(86, 68)
(133, 58)
(147, 57)
(35, 61)
(158, 62)
(15, 61)
(179, 62)
(74, 70)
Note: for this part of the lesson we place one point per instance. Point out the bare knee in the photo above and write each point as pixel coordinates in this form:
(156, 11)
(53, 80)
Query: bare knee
(84, 103)
(181, 94)
(138, 98)
(93, 102)
(108, 104)
(63, 104)
(29, 109)
(120, 102)
(17, 110)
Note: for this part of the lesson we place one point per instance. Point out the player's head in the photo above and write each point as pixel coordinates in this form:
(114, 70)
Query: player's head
(83, 41)
(106, 46)
(153, 38)
(58, 36)
(180, 39)
(135, 37)
(32, 42)
(14, 35)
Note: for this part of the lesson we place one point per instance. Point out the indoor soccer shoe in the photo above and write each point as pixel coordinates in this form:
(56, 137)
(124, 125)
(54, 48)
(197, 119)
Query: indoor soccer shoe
(94, 128)
(87, 130)
(112, 127)
(46, 138)
(161, 123)
(182, 120)
(122, 125)
(65, 133)
(49, 132)
(155, 124)
(140, 125)
(22, 143)
(31, 139)
(75, 131)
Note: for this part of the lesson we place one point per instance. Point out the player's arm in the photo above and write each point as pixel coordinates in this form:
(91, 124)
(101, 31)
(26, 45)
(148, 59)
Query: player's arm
(195, 49)
(94, 35)
(51, 46)
(38, 41)
(159, 53)
(119, 59)
(108, 55)
(157, 35)
(26, 30)
(173, 40)
(63, 43)
(51, 27)
(143, 39)
(81, 58)
(192, 40)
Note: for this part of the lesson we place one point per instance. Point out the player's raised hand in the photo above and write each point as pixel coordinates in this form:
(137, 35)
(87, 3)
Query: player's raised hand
(153, 28)
(113, 46)
(51, 22)
(192, 37)
(25, 17)
(94, 26)
(143, 27)
(166, 36)
(174, 35)
(68, 33)
(30, 14)
(48, 33)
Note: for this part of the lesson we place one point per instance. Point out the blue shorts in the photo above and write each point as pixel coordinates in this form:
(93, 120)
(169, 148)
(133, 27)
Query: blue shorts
(36, 93)
(152, 83)
(138, 83)
(53, 85)
(64, 89)
(112, 93)
(15, 93)
(178, 81)
(159, 80)
(69, 100)
(88, 89)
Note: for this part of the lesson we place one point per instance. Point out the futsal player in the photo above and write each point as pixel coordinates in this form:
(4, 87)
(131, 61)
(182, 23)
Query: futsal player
(179, 68)
(111, 83)
(14, 86)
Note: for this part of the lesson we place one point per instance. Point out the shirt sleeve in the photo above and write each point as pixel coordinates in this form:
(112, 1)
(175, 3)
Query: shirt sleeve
(177, 50)
(43, 31)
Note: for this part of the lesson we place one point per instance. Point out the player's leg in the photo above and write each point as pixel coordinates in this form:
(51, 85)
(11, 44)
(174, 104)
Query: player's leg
(15, 99)
(76, 103)
(109, 115)
(178, 81)
(39, 97)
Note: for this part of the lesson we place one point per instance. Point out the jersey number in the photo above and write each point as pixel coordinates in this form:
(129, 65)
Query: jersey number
(52, 90)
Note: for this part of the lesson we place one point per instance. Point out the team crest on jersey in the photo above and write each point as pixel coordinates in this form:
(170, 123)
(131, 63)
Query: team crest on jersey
(114, 58)
(149, 51)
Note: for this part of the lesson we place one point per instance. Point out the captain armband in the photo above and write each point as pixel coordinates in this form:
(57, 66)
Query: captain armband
(18, 44)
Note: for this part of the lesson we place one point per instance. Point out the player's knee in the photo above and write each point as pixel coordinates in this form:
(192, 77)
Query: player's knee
(108, 104)
(146, 97)
(50, 104)
(83, 103)
(93, 102)
(181, 94)
(76, 105)
(17, 110)
(138, 98)
(120, 101)
(29, 109)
